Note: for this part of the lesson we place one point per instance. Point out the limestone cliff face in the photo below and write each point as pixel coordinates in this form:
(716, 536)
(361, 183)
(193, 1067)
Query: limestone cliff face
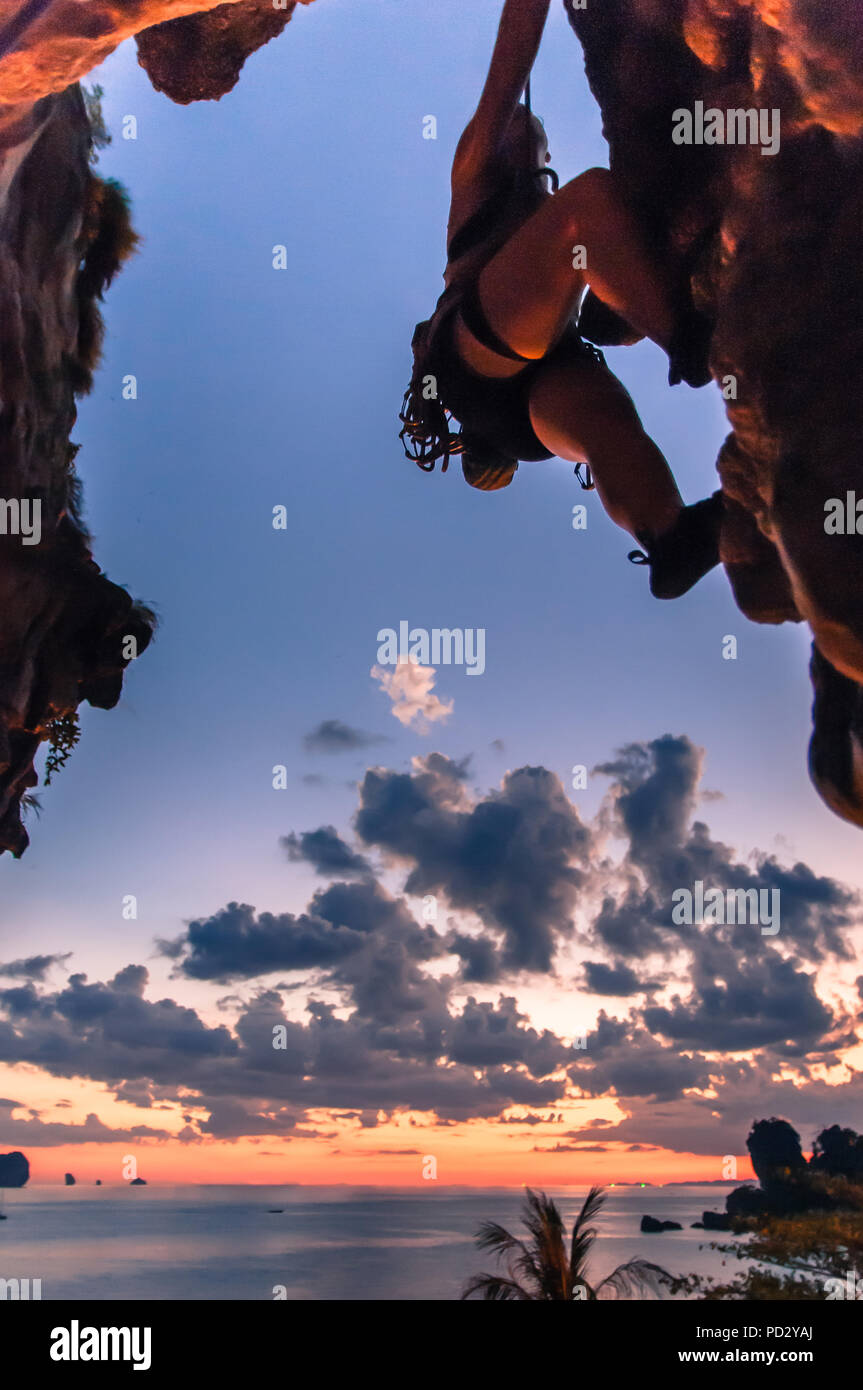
(770, 245)
(64, 625)
(66, 631)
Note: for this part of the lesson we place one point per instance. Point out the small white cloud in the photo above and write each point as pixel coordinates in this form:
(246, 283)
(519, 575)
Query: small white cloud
(409, 686)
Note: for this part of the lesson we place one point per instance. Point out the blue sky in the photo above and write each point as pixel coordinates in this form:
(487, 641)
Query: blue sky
(258, 388)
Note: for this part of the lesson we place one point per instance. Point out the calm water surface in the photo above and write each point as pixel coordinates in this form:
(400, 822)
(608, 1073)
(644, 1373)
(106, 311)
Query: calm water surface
(327, 1243)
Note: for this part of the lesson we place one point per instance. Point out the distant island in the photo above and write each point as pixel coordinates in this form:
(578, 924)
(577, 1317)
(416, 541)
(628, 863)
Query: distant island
(701, 1182)
(14, 1170)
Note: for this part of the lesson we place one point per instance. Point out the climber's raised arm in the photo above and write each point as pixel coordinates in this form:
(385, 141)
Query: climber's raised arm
(515, 50)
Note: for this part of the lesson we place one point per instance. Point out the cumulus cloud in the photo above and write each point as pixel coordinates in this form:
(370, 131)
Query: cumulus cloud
(745, 990)
(239, 943)
(717, 1022)
(399, 1059)
(409, 687)
(513, 857)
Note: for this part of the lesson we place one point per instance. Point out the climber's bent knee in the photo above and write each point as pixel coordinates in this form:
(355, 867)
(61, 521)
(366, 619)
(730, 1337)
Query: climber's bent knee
(586, 200)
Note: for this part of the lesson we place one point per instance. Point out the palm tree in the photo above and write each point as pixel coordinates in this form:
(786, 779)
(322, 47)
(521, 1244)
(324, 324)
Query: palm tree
(539, 1269)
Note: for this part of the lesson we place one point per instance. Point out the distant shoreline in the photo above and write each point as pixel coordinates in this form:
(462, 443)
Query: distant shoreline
(83, 1185)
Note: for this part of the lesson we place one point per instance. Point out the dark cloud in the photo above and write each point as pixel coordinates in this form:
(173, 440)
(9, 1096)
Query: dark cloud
(38, 1134)
(231, 1119)
(33, 967)
(654, 794)
(746, 1005)
(571, 1149)
(481, 959)
(326, 851)
(624, 1060)
(237, 943)
(529, 1119)
(655, 787)
(745, 990)
(332, 736)
(508, 857)
(391, 1152)
(487, 1034)
(393, 1052)
(745, 1091)
(617, 980)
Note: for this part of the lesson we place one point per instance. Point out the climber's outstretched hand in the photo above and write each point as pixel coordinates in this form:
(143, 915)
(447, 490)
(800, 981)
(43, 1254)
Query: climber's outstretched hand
(515, 50)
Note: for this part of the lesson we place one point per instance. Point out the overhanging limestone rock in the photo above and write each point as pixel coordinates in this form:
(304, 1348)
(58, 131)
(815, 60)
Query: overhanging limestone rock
(770, 245)
(46, 44)
(199, 58)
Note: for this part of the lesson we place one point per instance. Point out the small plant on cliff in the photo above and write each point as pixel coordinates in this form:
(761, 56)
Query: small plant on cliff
(64, 732)
(100, 136)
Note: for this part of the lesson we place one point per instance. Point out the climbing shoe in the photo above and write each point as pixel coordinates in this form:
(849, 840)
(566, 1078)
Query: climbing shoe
(685, 552)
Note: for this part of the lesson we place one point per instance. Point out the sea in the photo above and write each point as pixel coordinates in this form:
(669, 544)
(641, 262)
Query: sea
(303, 1243)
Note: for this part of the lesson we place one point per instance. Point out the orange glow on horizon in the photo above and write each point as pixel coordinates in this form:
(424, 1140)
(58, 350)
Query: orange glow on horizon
(311, 1162)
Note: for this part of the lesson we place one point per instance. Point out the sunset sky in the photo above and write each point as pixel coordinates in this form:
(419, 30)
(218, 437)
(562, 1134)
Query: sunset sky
(431, 909)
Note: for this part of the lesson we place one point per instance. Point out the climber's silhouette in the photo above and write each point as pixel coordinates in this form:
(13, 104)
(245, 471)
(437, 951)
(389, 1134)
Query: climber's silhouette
(502, 353)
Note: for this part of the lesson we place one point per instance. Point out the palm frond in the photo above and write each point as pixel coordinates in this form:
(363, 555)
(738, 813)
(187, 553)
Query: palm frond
(492, 1236)
(544, 1221)
(496, 1238)
(495, 1289)
(583, 1233)
(634, 1277)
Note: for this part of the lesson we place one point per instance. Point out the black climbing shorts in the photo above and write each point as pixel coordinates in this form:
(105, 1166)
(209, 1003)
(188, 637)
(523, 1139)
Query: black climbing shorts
(493, 410)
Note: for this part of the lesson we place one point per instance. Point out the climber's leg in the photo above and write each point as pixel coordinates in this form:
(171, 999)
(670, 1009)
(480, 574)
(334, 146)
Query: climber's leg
(581, 412)
(530, 289)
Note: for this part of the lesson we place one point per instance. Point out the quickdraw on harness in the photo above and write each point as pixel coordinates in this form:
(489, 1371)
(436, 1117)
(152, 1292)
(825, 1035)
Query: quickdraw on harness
(537, 173)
